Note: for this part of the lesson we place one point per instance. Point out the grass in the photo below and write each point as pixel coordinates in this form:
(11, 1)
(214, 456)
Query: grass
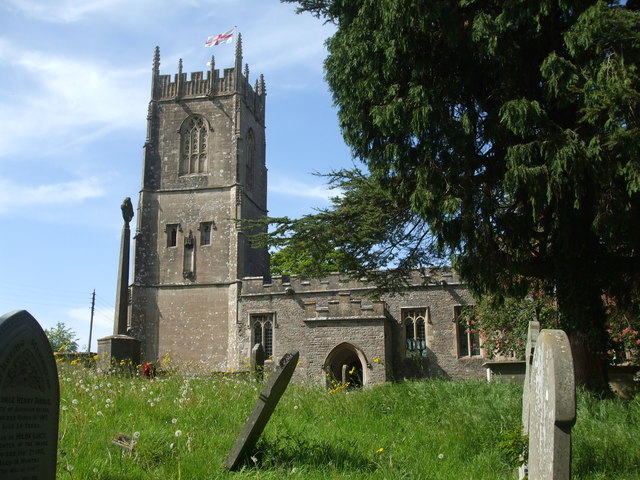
(183, 428)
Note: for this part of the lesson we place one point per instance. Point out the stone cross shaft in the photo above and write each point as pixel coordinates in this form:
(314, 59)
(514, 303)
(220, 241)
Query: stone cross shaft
(120, 322)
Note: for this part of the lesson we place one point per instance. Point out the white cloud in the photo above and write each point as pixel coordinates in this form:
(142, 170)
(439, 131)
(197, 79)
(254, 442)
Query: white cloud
(66, 100)
(296, 188)
(102, 316)
(16, 196)
(64, 11)
(69, 11)
(79, 320)
(298, 41)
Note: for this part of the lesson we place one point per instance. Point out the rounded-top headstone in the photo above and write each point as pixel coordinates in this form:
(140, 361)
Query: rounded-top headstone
(29, 400)
(552, 398)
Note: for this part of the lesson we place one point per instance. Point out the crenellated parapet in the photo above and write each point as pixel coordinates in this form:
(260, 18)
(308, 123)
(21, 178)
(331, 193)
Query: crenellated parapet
(208, 84)
(335, 282)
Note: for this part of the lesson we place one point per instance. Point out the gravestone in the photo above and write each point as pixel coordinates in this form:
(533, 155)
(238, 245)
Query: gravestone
(532, 336)
(257, 361)
(264, 407)
(552, 407)
(29, 400)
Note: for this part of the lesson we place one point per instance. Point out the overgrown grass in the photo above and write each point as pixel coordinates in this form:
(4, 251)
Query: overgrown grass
(183, 428)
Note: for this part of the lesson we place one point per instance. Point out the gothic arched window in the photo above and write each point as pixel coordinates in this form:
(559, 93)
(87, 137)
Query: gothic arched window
(263, 332)
(193, 146)
(250, 158)
(415, 331)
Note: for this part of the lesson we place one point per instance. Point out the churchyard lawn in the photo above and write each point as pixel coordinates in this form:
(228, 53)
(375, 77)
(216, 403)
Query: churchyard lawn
(182, 427)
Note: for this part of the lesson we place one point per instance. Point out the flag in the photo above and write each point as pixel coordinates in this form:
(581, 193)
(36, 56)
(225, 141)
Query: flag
(225, 37)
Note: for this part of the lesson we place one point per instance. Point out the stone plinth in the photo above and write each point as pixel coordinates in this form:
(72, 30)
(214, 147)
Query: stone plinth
(114, 349)
(509, 371)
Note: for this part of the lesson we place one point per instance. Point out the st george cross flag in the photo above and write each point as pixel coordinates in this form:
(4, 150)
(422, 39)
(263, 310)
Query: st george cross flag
(225, 37)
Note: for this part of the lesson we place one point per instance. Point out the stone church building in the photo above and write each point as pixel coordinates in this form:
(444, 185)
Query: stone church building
(201, 294)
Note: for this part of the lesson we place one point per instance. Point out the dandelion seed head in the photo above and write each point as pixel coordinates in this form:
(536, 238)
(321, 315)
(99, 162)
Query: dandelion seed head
(178, 433)
(441, 456)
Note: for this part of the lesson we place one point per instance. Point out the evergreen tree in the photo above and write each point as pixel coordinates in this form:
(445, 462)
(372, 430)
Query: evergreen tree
(364, 232)
(510, 128)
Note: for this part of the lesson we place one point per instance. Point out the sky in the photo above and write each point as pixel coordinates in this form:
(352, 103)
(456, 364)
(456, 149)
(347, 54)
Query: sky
(75, 84)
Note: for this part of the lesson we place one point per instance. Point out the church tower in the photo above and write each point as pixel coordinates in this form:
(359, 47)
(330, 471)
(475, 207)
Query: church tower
(203, 169)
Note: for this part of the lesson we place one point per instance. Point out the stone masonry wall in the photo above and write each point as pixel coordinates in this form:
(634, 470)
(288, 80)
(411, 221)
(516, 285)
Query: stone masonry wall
(317, 316)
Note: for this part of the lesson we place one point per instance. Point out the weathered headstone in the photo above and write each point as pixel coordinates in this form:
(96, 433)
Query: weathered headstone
(257, 361)
(552, 404)
(532, 336)
(264, 407)
(29, 400)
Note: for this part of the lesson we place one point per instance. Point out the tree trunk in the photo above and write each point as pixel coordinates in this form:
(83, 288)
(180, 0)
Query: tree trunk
(579, 295)
(589, 366)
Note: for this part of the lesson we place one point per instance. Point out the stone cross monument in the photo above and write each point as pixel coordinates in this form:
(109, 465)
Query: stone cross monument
(121, 347)
(122, 294)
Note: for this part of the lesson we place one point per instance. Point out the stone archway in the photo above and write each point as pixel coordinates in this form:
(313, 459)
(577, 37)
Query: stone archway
(346, 363)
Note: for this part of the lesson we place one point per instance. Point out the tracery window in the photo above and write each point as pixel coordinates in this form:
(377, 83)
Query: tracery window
(467, 334)
(414, 321)
(262, 326)
(193, 148)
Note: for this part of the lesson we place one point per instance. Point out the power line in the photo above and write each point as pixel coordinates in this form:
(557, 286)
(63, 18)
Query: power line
(35, 289)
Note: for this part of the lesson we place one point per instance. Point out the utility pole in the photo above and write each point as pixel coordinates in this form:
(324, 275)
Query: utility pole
(93, 308)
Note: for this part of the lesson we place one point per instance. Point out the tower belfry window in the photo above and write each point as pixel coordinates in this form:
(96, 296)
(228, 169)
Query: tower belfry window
(193, 148)
(172, 234)
(205, 233)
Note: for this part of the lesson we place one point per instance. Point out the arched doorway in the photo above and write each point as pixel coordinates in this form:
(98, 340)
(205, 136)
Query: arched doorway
(345, 364)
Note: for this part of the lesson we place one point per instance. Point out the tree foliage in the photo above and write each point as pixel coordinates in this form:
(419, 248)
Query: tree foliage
(503, 322)
(510, 128)
(62, 338)
(363, 230)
